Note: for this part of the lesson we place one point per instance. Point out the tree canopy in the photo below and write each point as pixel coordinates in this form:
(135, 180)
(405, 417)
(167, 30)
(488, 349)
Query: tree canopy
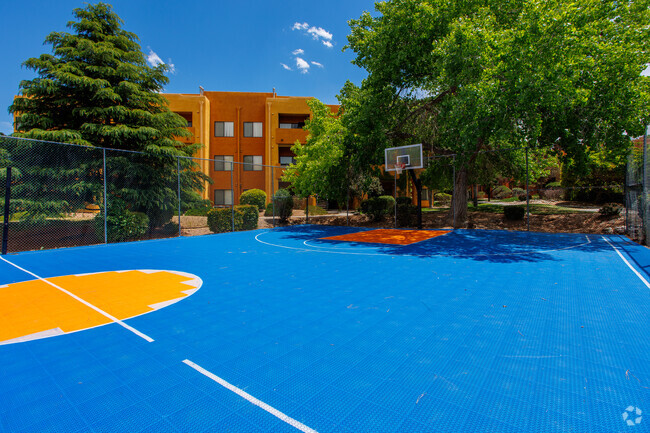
(479, 75)
(96, 89)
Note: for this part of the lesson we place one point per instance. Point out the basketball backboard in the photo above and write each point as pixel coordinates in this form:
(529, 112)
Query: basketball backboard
(410, 156)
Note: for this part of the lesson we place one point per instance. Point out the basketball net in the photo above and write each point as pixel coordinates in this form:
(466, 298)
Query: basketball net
(399, 167)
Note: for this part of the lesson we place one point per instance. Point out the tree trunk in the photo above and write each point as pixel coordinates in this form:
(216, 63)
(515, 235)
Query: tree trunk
(459, 199)
(475, 195)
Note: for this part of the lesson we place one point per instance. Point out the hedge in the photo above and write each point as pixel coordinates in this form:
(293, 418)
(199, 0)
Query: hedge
(255, 197)
(283, 205)
(122, 224)
(220, 220)
(377, 207)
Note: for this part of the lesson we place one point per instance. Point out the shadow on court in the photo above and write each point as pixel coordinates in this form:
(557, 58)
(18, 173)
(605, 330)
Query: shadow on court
(493, 246)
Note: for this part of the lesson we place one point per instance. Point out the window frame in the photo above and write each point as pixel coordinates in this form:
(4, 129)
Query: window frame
(252, 129)
(224, 192)
(223, 127)
(253, 165)
(223, 160)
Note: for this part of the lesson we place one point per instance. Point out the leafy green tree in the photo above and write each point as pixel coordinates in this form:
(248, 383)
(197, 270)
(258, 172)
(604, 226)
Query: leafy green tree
(480, 75)
(95, 89)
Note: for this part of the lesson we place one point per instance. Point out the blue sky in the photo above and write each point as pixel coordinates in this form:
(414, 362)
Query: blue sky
(248, 46)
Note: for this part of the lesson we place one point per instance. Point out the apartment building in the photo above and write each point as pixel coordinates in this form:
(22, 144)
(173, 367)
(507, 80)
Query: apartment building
(243, 134)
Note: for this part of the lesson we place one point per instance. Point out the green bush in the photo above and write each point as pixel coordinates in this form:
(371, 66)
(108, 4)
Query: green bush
(407, 215)
(255, 197)
(522, 197)
(442, 198)
(170, 228)
(282, 203)
(404, 200)
(610, 209)
(122, 224)
(514, 213)
(516, 192)
(501, 192)
(316, 210)
(220, 220)
(553, 185)
(377, 207)
(202, 211)
(250, 215)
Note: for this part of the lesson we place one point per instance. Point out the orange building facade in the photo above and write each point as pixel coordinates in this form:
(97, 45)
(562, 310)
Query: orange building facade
(246, 137)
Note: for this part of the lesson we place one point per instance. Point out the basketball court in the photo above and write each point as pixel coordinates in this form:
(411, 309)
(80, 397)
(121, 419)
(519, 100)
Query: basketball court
(328, 329)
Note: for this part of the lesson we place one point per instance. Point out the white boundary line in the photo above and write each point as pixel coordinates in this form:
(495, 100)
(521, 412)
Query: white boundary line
(297, 424)
(313, 250)
(627, 263)
(86, 303)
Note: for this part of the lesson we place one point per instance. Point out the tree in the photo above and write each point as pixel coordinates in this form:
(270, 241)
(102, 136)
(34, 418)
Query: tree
(474, 76)
(96, 89)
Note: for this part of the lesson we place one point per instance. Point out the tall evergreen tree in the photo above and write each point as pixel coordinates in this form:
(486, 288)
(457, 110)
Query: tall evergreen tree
(96, 89)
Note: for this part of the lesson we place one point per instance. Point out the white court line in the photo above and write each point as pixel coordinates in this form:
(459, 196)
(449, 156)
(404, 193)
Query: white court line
(87, 304)
(297, 424)
(628, 263)
(418, 255)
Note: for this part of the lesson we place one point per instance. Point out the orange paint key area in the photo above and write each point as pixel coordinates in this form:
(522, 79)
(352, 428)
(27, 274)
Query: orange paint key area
(35, 309)
(389, 236)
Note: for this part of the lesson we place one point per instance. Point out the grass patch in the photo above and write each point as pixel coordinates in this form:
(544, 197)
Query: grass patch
(315, 210)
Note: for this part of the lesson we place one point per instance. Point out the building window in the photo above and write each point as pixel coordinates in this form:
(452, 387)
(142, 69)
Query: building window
(223, 162)
(252, 163)
(224, 129)
(287, 160)
(222, 197)
(252, 129)
(284, 125)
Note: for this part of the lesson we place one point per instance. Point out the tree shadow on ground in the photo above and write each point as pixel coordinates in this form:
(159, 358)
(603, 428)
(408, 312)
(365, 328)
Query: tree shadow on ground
(496, 246)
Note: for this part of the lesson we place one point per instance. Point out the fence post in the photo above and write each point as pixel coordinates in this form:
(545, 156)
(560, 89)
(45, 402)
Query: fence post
(453, 192)
(395, 196)
(272, 195)
(347, 206)
(178, 176)
(644, 192)
(527, 195)
(105, 201)
(5, 223)
(232, 199)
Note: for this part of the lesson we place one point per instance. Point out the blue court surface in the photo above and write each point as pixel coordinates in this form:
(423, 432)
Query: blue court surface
(471, 331)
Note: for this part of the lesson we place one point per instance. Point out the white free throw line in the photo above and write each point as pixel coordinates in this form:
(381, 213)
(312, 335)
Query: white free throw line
(86, 303)
(297, 424)
(628, 263)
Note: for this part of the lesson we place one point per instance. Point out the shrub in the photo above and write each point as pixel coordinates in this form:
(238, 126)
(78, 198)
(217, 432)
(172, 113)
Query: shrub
(501, 192)
(170, 228)
(610, 210)
(202, 211)
(250, 216)
(522, 197)
(377, 207)
(442, 198)
(316, 210)
(553, 185)
(481, 195)
(122, 224)
(283, 205)
(406, 214)
(516, 192)
(551, 194)
(514, 213)
(220, 220)
(404, 200)
(255, 197)
(535, 197)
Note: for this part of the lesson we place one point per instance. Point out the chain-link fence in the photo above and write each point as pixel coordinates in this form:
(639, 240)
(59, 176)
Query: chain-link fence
(57, 195)
(636, 192)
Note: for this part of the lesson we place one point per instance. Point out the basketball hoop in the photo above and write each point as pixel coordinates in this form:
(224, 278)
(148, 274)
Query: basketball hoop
(399, 167)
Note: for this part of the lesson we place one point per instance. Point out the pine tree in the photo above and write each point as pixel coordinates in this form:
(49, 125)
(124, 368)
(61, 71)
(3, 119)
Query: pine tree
(96, 89)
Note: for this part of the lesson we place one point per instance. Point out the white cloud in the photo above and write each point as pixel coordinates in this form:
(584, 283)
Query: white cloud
(154, 60)
(319, 32)
(320, 65)
(302, 65)
(298, 52)
(286, 67)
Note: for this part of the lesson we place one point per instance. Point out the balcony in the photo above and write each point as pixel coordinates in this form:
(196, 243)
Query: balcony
(290, 136)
